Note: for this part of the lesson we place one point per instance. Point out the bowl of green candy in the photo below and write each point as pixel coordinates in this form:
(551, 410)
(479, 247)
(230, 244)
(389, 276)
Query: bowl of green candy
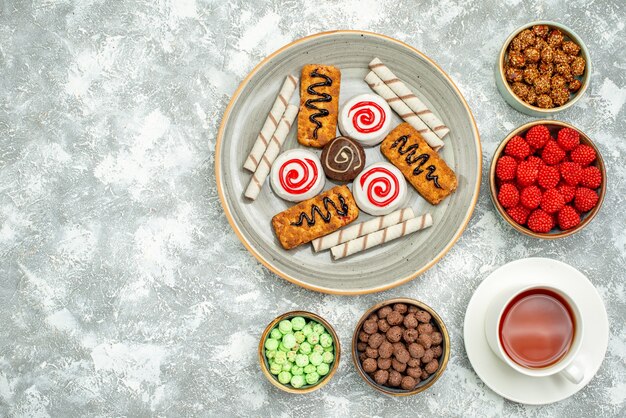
(299, 352)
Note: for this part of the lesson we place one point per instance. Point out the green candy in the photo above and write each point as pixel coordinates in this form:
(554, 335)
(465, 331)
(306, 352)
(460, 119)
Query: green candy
(275, 368)
(287, 366)
(308, 328)
(284, 377)
(271, 344)
(289, 341)
(281, 347)
(313, 338)
(318, 349)
(297, 381)
(299, 335)
(297, 371)
(312, 378)
(326, 340)
(291, 356)
(319, 329)
(284, 326)
(305, 348)
(276, 334)
(328, 357)
(315, 358)
(323, 369)
(309, 369)
(297, 323)
(329, 348)
(280, 358)
(302, 360)
(270, 354)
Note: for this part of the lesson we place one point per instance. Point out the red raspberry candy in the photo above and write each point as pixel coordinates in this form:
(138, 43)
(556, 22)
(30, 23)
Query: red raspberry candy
(527, 173)
(530, 197)
(552, 201)
(506, 167)
(583, 154)
(517, 148)
(508, 196)
(537, 136)
(591, 177)
(568, 218)
(585, 199)
(548, 177)
(519, 214)
(552, 153)
(540, 221)
(568, 138)
(571, 173)
(536, 160)
(567, 192)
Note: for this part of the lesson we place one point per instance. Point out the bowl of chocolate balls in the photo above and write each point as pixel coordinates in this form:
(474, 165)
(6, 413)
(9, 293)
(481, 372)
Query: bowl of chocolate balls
(543, 68)
(400, 347)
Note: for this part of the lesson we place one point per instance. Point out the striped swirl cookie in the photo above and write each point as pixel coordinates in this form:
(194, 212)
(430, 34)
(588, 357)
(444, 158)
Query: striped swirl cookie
(379, 189)
(366, 118)
(297, 175)
(343, 159)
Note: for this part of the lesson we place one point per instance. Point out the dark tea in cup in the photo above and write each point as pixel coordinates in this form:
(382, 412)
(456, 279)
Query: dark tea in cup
(537, 328)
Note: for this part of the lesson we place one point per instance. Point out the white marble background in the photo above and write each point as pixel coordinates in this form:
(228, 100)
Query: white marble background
(123, 291)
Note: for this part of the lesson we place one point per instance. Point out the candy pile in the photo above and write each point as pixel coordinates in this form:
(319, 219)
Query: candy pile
(400, 346)
(545, 181)
(299, 352)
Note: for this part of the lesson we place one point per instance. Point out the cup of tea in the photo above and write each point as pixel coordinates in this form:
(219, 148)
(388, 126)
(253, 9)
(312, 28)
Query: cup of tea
(537, 330)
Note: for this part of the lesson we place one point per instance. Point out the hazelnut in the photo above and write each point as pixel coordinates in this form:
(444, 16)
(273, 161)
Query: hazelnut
(394, 334)
(555, 38)
(516, 59)
(385, 350)
(544, 101)
(384, 363)
(361, 346)
(513, 74)
(402, 356)
(408, 383)
(384, 311)
(432, 366)
(531, 98)
(363, 336)
(425, 328)
(371, 352)
(578, 66)
(542, 84)
(395, 378)
(423, 316)
(436, 337)
(570, 48)
(369, 365)
(375, 340)
(520, 90)
(561, 57)
(383, 325)
(395, 318)
(528, 38)
(547, 54)
(557, 82)
(532, 54)
(410, 321)
(564, 70)
(541, 30)
(530, 74)
(541, 44)
(574, 85)
(516, 44)
(414, 372)
(398, 366)
(559, 96)
(400, 307)
(416, 350)
(381, 377)
(410, 335)
(546, 68)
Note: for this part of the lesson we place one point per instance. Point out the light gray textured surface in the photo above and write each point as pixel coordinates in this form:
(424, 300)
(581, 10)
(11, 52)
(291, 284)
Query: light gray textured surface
(123, 289)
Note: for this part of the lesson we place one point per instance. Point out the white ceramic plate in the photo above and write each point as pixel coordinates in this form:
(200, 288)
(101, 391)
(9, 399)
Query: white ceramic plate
(500, 377)
(378, 268)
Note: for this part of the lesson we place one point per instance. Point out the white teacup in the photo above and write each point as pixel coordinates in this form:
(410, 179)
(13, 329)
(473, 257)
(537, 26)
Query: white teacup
(569, 365)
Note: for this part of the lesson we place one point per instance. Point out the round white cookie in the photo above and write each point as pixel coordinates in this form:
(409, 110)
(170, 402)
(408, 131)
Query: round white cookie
(380, 189)
(297, 175)
(366, 118)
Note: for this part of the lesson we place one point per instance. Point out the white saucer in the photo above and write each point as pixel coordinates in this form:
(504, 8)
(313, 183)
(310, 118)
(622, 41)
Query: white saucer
(501, 378)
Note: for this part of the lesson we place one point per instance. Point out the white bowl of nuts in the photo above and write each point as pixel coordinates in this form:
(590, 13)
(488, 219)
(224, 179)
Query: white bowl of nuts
(543, 68)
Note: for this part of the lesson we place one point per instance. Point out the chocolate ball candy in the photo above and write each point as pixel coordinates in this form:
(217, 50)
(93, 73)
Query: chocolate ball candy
(428, 356)
(408, 383)
(381, 377)
(384, 311)
(371, 352)
(437, 351)
(432, 366)
(385, 350)
(361, 346)
(424, 375)
(370, 326)
(398, 366)
(373, 317)
(342, 159)
(400, 307)
(394, 334)
(425, 328)
(412, 309)
(363, 336)
(369, 365)
(414, 372)
(384, 363)
(544, 101)
(423, 316)
(410, 321)
(570, 48)
(395, 378)
(402, 355)
(363, 357)
(436, 338)
(425, 340)
(395, 318)
(383, 325)
(416, 350)
(375, 340)
(410, 335)
(413, 362)
(397, 347)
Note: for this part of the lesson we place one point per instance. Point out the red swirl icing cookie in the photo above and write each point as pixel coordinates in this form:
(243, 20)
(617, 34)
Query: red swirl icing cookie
(380, 189)
(297, 175)
(366, 118)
